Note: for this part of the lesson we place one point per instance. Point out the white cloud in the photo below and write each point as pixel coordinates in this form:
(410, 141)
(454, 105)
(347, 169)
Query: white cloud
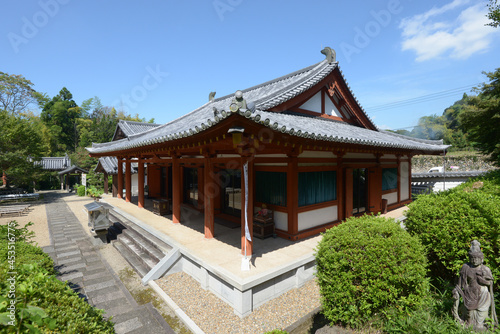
(432, 35)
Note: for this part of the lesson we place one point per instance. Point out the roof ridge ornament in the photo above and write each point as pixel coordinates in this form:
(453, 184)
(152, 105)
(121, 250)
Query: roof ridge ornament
(331, 55)
(211, 96)
(238, 102)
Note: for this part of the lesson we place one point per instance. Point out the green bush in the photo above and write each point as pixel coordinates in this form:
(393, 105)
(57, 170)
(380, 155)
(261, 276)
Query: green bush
(432, 317)
(43, 304)
(447, 222)
(367, 265)
(81, 191)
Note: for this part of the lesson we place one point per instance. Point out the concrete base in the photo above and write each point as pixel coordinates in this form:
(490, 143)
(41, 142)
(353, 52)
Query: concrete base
(243, 294)
(100, 237)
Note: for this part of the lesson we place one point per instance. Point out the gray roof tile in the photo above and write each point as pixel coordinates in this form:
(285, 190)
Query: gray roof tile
(266, 96)
(54, 163)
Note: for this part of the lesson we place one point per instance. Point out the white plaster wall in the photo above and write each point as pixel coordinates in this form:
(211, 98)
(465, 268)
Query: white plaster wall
(388, 156)
(281, 220)
(317, 217)
(317, 154)
(405, 180)
(313, 104)
(284, 165)
(391, 198)
(271, 155)
(135, 185)
(351, 155)
(330, 108)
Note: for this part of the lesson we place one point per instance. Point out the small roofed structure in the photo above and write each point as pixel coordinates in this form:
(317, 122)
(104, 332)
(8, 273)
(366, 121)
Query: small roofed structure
(54, 163)
(109, 165)
(65, 174)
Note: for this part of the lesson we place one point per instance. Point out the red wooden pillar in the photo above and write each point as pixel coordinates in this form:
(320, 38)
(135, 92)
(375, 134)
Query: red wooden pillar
(292, 195)
(244, 240)
(115, 185)
(128, 181)
(120, 178)
(4, 179)
(140, 177)
(176, 190)
(209, 193)
(399, 178)
(348, 192)
(340, 186)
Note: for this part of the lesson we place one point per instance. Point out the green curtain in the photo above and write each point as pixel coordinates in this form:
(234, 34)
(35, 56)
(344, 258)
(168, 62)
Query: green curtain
(270, 187)
(389, 178)
(317, 187)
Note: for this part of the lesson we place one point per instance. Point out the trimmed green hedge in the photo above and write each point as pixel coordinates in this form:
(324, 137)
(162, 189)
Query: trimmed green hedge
(43, 304)
(366, 266)
(447, 222)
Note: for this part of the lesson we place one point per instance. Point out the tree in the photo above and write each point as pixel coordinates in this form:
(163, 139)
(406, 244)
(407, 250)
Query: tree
(494, 13)
(430, 127)
(19, 140)
(60, 115)
(17, 94)
(481, 117)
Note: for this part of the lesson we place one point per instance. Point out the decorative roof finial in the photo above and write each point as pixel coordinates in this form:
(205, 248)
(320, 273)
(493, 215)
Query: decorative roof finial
(330, 54)
(238, 102)
(211, 96)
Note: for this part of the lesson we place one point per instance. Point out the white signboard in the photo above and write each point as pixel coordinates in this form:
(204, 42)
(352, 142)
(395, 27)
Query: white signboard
(84, 180)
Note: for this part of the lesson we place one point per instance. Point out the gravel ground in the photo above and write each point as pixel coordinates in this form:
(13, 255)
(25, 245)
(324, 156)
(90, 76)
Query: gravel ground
(213, 315)
(38, 216)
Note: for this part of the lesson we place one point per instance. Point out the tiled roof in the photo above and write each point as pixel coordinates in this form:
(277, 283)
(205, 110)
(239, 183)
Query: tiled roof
(110, 165)
(264, 97)
(129, 127)
(54, 163)
(464, 174)
(73, 169)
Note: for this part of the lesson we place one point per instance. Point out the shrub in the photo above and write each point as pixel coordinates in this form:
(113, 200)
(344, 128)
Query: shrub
(447, 222)
(367, 265)
(43, 304)
(81, 190)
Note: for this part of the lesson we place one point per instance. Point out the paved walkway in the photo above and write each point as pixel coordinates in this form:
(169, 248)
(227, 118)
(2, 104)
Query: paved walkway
(90, 275)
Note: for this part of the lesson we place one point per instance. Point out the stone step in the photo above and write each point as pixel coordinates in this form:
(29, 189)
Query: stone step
(144, 244)
(131, 258)
(144, 319)
(133, 247)
(150, 238)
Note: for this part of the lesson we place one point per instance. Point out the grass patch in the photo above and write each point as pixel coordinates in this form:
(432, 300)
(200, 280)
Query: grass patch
(144, 294)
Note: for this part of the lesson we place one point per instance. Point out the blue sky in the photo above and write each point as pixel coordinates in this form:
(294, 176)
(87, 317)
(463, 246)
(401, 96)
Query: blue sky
(160, 59)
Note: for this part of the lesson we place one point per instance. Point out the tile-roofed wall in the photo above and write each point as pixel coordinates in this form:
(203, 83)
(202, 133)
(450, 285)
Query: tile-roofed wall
(55, 163)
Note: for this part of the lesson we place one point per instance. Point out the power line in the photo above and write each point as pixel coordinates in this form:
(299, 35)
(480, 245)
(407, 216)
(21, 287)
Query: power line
(420, 99)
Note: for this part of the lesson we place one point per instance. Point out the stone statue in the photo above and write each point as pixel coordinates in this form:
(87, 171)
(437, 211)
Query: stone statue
(238, 102)
(475, 286)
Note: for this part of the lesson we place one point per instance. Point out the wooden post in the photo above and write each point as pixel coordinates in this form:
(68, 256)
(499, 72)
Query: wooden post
(176, 191)
(128, 181)
(114, 186)
(340, 186)
(292, 195)
(209, 193)
(348, 192)
(244, 240)
(120, 178)
(140, 180)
